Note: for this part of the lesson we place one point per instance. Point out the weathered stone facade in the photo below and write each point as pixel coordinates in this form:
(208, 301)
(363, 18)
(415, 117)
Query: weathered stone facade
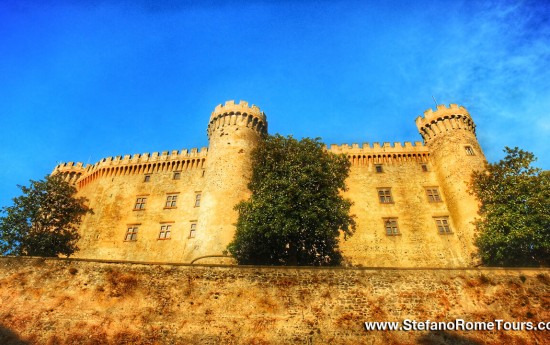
(411, 201)
(59, 301)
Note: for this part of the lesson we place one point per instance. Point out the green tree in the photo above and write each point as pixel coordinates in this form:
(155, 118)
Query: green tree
(514, 224)
(296, 211)
(43, 221)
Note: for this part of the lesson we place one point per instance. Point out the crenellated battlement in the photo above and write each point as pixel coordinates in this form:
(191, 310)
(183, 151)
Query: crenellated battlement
(71, 171)
(238, 108)
(382, 153)
(376, 147)
(133, 159)
(240, 114)
(443, 111)
(70, 167)
(444, 119)
(133, 164)
(153, 157)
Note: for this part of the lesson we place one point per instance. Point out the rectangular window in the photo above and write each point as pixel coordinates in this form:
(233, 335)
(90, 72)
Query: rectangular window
(384, 195)
(378, 168)
(193, 230)
(131, 233)
(171, 201)
(147, 178)
(390, 224)
(140, 203)
(165, 231)
(433, 194)
(424, 167)
(197, 200)
(469, 150)
(443, 225)
(177, 175)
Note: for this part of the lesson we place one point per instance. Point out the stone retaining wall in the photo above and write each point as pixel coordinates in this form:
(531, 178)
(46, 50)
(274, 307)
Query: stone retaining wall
(55, 301)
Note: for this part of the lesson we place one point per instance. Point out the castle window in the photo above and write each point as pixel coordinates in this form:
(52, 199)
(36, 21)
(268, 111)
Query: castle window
(197, 199)
(193, 230)
(390, 224)
(384, 195)
(177, 175)
(469, 150)
(140, 204)
(131, 233)
(378, 168)
(424, 167)
(171, 201)
(443, 225)
(165, 232)
(433, 194)
(147, 178)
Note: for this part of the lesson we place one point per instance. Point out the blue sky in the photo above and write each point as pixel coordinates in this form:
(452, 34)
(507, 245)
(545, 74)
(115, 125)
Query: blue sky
(80, 81)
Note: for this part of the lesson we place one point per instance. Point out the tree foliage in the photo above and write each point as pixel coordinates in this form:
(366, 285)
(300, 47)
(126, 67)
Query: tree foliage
(514, 227)
(296, 212)
(43, 220)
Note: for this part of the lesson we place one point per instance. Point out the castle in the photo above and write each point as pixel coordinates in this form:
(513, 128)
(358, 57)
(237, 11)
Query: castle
(411, 201)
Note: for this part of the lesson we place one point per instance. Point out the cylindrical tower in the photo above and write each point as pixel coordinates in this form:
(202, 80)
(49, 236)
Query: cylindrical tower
(450, 135)
(234, 131)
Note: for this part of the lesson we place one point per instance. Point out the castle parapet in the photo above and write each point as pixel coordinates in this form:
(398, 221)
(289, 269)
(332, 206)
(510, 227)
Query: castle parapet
(71, 171)
(444, 119)
(376, 147)
(153, 157)
(135, 164)
(385, 153)
(237, 114)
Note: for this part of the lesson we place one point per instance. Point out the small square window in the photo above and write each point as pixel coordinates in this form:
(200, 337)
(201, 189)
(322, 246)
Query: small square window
(131, 233)
(171, 201)
(165, 232)
(384, 195)
(443, 225)
(424, 167)
(177, 175)
(469, 150)
(193, 230)
(390, 224)
(378, 168)
(140, 204)
(147, 178)
(433, 194)
(197, 200)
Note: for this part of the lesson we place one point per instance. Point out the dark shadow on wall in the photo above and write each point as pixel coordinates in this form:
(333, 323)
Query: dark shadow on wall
(445, 338)
(7, 337)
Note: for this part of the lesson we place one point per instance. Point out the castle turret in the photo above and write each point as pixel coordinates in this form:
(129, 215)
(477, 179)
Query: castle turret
(450, 135)
(70, 171)
(234, 131)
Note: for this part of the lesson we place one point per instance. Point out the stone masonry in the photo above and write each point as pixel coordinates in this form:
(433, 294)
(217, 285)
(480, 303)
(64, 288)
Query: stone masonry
(60, 301)
(411, 201)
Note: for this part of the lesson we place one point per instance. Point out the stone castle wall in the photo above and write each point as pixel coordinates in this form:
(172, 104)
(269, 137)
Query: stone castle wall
(113, 200)
(218, 176)
(418, 242)
(234, 131)
(53, 301)
(450, 135)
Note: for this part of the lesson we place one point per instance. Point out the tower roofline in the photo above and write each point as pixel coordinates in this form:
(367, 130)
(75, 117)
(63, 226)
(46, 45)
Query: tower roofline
(237, 114)
(240, 108)
(442, 111)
